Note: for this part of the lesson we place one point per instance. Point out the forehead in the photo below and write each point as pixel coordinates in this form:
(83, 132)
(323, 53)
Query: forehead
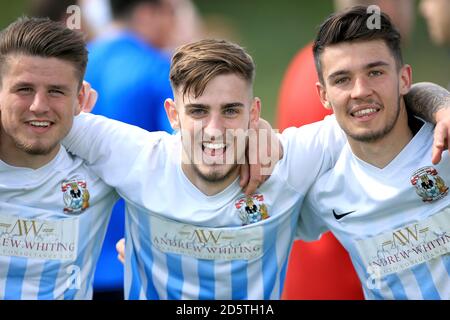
(354, 55)
(222, 89)
(39, 70)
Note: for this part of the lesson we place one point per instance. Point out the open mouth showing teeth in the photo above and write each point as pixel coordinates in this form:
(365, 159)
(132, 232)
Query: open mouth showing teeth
(213, 148)
(214, 145)
(40, 124)
(364, 112)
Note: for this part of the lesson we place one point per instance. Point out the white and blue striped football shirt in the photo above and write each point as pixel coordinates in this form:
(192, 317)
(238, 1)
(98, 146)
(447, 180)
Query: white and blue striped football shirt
(394, 222)
(182, 244)
(52, 224)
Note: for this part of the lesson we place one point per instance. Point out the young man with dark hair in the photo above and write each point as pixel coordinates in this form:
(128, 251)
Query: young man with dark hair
(384, 200)
(53, 209)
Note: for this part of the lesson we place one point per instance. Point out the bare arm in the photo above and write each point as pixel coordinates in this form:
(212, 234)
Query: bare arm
(432, 103)
(425, 99)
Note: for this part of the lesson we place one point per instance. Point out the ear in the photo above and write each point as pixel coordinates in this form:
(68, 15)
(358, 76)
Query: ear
(322, 92)
(80, 101)
(255, 110)
(172, 114)
(405, 79)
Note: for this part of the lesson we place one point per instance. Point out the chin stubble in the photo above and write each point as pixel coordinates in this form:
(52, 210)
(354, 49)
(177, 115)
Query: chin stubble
(375, 136)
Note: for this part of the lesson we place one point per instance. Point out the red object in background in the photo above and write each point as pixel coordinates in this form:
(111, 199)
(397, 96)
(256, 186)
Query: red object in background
(320, 269)
(299, 102)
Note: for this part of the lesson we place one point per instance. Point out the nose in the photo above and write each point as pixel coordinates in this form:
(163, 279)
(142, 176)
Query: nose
(213, 128)
(360, 89)
(40, 103)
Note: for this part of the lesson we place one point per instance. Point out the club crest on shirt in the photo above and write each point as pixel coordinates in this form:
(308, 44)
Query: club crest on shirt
(252, 209)
(429, 185)
(75, 195)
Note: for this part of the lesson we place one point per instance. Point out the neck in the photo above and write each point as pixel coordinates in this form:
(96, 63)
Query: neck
(209, 188)
(381, 152)
(18, 158)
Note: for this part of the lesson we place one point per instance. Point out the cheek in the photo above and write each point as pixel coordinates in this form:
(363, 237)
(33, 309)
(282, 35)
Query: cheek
(240, 122)
(65, 109)
(394, 90)
(339, 103)
(188, 123)
(191, 129)
(9, 114)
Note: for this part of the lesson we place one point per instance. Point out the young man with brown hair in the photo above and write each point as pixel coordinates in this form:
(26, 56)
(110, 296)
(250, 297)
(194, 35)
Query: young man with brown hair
(53, 209)
(191, 232)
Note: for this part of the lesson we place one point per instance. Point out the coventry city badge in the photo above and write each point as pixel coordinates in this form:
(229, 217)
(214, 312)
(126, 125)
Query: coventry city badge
(429, 185)
(75, 195)
(252, 209)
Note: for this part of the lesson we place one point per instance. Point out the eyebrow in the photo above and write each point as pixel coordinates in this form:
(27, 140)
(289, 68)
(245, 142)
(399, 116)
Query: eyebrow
(367, 66)
(60, 87)
(223, 106)
(232, 105)
(22, 84)
(52, 87)
(196, 105)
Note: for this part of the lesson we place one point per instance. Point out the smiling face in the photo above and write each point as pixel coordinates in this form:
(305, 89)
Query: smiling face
(364, 87)
(38, 100)
(210, 125)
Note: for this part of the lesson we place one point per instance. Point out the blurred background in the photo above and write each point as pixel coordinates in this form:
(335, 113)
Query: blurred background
(273, 32)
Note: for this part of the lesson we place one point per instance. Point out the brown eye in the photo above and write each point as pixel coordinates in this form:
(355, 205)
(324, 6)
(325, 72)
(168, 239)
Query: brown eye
(54, 92)
(24, 90)
(341, 80)
(375, 73)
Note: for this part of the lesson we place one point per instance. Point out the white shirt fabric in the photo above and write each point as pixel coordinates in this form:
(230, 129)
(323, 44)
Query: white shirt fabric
(182, 244)
(394, 222)
(52, 224)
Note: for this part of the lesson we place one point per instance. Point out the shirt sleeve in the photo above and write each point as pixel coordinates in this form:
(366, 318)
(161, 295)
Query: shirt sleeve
(112, 148)
(310, 151)
(310, 226)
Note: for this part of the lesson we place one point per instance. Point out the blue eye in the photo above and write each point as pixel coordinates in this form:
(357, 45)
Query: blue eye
(197, 112)
(231, 112)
